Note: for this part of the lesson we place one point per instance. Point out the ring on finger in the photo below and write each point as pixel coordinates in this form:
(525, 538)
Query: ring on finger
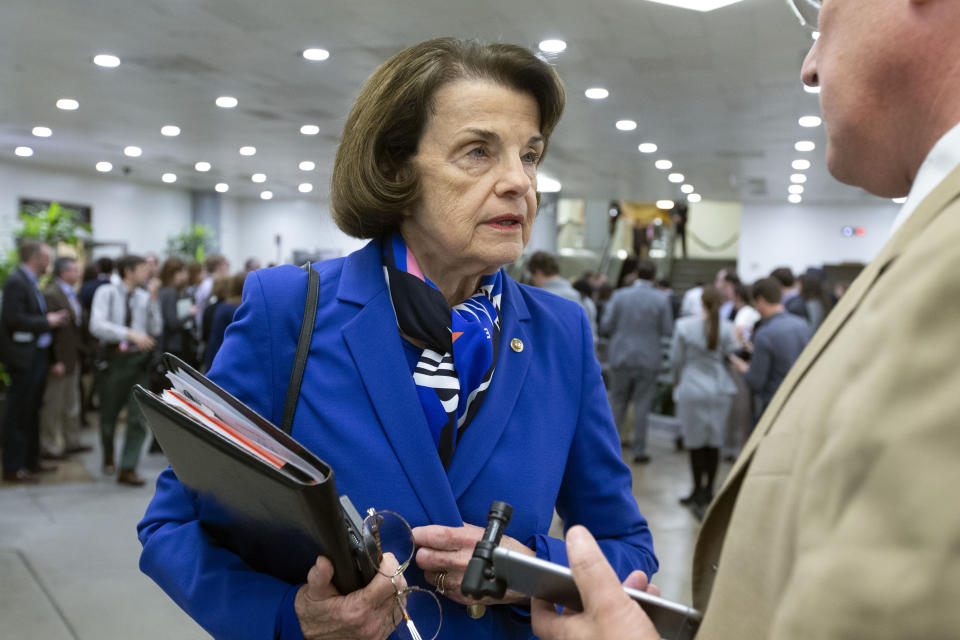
(440, 589)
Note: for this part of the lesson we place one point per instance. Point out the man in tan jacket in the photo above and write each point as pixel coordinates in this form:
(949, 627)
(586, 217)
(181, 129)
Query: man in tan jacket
(840, 520)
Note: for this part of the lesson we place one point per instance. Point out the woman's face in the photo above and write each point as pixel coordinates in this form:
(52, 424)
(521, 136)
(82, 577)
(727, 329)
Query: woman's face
(477, 166)
(180, 278)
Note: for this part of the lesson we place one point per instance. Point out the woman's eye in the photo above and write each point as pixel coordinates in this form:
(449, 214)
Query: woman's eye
(478, 152)
(532, 156)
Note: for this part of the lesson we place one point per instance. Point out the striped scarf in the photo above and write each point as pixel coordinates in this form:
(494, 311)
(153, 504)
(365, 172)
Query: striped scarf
(456, 366)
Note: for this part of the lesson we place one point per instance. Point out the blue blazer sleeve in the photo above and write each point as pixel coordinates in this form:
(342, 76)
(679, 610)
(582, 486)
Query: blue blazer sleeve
(211, 584)
(597, 486)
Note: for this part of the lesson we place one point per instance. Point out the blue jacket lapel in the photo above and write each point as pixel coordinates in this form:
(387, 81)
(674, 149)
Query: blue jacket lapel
(373, 341)
(481, 436)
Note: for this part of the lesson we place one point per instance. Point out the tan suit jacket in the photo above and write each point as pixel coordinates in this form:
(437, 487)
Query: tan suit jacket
(841, 519)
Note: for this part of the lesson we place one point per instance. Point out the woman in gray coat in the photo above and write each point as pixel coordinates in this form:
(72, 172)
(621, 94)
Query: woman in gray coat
(703, 390)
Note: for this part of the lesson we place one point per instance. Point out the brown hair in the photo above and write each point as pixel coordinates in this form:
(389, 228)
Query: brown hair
(769, 289)
(373, 177)
(171, 267)
(712, 299)
(543, 262)
(221, 287)
(235, 289)
(194, 273)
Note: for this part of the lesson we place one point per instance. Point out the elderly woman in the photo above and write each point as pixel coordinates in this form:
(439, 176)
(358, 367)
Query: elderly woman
(435, 383)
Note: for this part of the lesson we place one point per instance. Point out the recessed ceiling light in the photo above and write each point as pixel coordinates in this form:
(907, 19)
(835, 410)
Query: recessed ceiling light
(694, 198)
(227, 102)
(665, 204)
(686, 188)
(316, 55)
(800, 164)
(805, 145)
(815, 35)
(626, 125)
(104, 167)
(170, 130)
(552, 46)
(248, 151)
(309, 129)
(23, 152)
(676, 178)
(795, 188)
(266, 195)
(810, 121)
(169, 178)
(900, 200)
(596, 93)
(132, 151)
(798, 178)
(221, 187)
(810, 89)
(106, 60)
(306, 187)
(698, 5)
(546, 184)
(794, 198)
(202, 166)
(68, 104)
(42, 132)
(663, 165)
(647, 147)
(259, 177)
(307, 165)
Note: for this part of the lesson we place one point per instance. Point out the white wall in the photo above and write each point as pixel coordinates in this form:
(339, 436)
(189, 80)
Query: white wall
(716, 223)
(249, 227)
(142, 215)
(800, 236)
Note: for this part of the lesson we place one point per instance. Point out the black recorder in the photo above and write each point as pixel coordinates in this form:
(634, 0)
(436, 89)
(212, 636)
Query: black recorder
(492, 570)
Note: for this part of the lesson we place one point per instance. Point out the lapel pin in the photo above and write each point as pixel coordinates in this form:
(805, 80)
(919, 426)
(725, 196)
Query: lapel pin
(516, 344)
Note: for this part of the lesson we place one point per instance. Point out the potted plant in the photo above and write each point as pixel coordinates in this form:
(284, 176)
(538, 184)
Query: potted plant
(192, 244)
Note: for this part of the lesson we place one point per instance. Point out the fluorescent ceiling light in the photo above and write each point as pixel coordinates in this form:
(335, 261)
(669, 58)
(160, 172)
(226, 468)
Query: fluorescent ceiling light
(202, 166)
(810, 121)
(805, 145)
(23, 152)
(170, 130)
(663, 165)
(798, 178)
(104, 167)
(647, 147)
(248, 151)
(800, 164)
(546, 184)
(42, 132)
(307, 165)
(665, 204)
(266, 195)
(106, 60)
(676, 178)
(316, 55)
(794, 198)
(309, 129)
(686, 188)
(626, 125)
(132, 151)
(227, 102)
(552, 46)
(596, 93)
(810, 89)
(306, 187)
(900, 200)
(169, 178)
(259, 177)
(697, 5)
(221, 187)
(68, 104)
(694, 198)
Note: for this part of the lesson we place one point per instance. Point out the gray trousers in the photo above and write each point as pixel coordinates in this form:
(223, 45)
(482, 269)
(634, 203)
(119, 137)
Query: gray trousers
(637, 385)
(60, 414)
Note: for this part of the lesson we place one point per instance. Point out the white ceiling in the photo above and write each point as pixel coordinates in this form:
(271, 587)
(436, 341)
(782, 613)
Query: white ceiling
(719, 92)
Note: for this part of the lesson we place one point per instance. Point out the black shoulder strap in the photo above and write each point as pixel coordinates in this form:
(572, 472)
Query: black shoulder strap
(303, 347)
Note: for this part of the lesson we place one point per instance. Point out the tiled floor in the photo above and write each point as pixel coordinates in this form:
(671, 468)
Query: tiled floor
(68, 552)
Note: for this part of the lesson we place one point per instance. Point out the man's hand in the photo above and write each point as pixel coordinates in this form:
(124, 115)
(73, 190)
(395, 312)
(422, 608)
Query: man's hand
(153, 286)
(739, 364)
(448, 550)
(58, 369)
(372, 613)
(142, 340)
(608, 612)
(58, 318)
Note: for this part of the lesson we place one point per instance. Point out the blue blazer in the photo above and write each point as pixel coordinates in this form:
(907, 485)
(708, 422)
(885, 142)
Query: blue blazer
(543, 438)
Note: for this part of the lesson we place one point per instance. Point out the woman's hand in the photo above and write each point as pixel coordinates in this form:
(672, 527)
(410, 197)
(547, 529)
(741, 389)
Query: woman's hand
(447, 550)
(371, 613)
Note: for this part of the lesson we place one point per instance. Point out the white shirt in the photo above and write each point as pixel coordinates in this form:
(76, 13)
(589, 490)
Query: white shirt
(108, 313)
(940, 162)
(692, 304)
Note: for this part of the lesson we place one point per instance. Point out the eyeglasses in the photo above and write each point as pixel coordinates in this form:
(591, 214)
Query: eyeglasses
(807, 12)
(388, 532)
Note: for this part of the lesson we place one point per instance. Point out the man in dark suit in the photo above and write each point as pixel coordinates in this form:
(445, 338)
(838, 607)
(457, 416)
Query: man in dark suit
(60, 413)
(26, 334)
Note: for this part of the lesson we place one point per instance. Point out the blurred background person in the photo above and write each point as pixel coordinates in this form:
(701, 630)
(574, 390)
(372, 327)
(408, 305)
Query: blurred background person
(177, 310)
(223, 316)
(815, 300)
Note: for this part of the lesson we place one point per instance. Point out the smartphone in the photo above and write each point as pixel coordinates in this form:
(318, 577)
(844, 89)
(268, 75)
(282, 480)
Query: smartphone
(554, 583)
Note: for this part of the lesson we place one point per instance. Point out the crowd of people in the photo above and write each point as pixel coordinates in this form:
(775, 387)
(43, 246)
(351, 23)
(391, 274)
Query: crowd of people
(86, 339)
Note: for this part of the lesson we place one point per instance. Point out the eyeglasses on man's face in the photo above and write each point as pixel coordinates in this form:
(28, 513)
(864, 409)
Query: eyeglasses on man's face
(807, 12)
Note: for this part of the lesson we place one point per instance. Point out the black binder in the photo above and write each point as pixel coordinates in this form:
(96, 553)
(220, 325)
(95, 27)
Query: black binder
(275, 521)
